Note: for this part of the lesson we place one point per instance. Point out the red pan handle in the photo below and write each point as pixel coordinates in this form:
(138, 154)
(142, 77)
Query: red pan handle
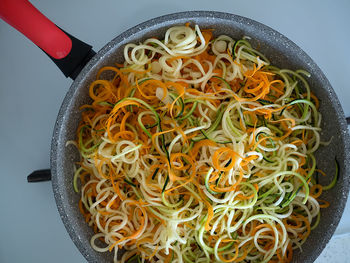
(68, 53)
(23, 16)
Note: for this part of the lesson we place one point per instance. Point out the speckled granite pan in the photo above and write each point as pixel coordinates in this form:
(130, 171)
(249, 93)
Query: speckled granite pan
(281, 51)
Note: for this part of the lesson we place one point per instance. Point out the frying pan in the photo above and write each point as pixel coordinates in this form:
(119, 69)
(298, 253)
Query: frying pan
(78, 61)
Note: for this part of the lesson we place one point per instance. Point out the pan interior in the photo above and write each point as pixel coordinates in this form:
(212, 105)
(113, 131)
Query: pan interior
(281, 52)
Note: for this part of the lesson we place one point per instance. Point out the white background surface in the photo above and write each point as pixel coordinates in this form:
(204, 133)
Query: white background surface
(32, 89)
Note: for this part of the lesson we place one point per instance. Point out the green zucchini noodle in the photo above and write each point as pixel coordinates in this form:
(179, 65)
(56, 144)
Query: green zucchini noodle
(196, 149)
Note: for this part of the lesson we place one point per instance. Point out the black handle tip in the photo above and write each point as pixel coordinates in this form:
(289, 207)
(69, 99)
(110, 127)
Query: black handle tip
(78, 57)
(39, 176)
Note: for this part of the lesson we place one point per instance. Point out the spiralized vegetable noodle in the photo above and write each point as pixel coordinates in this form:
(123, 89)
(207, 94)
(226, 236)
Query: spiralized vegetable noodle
(196, 149)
